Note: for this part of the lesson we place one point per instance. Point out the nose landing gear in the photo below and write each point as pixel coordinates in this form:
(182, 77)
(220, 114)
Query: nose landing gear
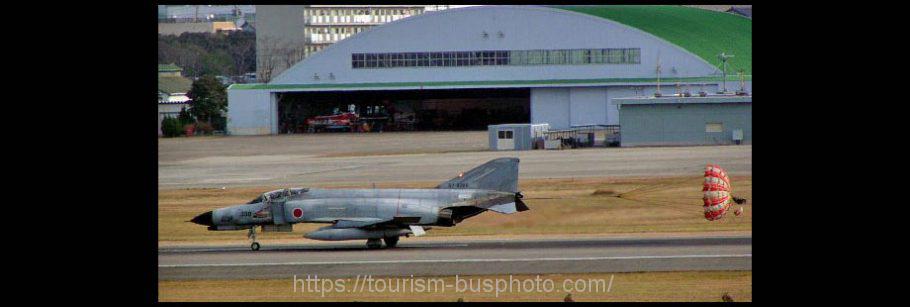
(252, 235)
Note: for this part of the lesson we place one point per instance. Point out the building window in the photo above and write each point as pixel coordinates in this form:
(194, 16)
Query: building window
(499, 58)
(505, 134)
(714, 127)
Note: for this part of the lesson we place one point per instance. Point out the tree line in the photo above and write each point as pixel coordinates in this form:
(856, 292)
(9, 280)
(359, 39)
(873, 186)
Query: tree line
(205, 114)
(228, 54)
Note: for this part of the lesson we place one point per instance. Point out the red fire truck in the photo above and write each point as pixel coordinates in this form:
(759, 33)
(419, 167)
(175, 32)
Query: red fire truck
(345, 122)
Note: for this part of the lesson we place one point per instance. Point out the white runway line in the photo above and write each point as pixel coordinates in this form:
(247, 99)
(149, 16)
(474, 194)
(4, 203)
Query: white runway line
(452, 260)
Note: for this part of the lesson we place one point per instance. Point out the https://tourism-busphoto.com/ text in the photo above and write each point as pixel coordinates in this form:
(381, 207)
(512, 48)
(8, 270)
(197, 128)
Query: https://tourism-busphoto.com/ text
(456, 284)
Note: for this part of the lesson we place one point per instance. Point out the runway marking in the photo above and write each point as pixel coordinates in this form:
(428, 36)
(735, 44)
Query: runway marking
(451, 260)
(291, 247)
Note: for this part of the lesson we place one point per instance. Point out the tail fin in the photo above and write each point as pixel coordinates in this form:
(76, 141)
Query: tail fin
(498, 174)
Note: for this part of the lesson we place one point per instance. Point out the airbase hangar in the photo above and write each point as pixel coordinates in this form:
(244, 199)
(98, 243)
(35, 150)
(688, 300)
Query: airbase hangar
(565, 66)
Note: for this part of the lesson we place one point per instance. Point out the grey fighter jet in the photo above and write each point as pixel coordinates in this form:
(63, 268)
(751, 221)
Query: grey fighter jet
(376, 215)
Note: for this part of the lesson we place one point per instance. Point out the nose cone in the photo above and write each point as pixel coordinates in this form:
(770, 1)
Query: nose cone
(204, 219)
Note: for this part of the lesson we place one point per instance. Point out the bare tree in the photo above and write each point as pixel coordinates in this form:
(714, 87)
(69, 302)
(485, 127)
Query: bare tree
(293, 53)
(266, 58)
(273, 57)
(241, 50)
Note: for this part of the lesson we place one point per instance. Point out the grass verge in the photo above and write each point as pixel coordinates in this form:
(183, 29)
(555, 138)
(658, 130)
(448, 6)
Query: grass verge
(625, 287)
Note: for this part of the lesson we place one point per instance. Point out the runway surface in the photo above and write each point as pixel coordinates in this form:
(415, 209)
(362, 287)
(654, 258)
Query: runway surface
(301, 169)
(352, 258)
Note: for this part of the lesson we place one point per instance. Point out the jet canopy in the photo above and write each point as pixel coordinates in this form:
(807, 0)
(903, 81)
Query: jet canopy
(278, 194)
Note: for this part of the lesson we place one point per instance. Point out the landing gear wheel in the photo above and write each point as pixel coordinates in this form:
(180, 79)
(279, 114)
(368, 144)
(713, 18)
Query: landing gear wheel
(374, 243)
(390, 241)
(252, 236)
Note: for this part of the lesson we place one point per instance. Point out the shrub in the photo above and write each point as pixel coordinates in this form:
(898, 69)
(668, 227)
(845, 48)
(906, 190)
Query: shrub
(185, 117)
(189, 126)
(219, 122)
(206, 128)
(171, 127)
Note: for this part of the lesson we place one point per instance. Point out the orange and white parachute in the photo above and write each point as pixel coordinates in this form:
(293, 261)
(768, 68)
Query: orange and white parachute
(717, 191)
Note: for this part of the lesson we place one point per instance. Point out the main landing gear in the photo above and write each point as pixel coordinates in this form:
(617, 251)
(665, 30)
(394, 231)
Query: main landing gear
(374, 243)
(377, 243)
(391, 241)
(252, 236)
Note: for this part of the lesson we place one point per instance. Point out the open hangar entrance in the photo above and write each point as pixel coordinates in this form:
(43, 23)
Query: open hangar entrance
(407, 110)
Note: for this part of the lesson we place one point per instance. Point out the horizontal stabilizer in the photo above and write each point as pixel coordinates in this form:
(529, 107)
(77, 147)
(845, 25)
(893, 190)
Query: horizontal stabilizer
(508, 208)
(520, 205)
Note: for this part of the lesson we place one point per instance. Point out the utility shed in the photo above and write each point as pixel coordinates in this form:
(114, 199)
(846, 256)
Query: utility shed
(515, 136)
(675, 120)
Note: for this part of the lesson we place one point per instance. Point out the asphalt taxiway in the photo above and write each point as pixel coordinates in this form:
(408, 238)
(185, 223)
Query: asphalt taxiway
(462, 257)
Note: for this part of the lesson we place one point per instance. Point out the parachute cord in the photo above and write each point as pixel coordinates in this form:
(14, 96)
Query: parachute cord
(654, 187)
(653, 202)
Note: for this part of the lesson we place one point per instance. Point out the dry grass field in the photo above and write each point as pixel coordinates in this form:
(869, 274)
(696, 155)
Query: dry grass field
(638, 287)
(558, 206)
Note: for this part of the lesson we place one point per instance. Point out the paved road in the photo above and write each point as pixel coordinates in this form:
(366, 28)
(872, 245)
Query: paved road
(348, 259)
(288, 169)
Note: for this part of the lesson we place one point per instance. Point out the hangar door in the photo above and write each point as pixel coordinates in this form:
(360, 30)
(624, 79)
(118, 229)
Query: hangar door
(407, 110)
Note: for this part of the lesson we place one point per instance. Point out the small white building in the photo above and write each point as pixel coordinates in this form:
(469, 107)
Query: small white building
(172, 90)
(516, 136)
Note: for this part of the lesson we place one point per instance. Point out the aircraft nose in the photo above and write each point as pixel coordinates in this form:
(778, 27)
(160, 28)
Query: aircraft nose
(204, 219)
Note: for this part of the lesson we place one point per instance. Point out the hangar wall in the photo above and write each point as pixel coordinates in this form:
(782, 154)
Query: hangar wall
(588, 106)
(563, 107)
(252, 112)
(684, 123)
(551, 106)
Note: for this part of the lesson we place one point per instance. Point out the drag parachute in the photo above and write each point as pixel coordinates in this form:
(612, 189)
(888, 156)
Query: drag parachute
(717, 191)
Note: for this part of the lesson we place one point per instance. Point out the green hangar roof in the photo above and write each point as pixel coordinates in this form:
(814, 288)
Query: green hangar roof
(702, 32)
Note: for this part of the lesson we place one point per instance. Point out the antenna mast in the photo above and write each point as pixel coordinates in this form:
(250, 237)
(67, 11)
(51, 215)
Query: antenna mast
(658, 76)
(723, 58)
(742, 81)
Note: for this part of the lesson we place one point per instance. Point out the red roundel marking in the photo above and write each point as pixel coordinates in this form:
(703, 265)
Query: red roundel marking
(298, 213)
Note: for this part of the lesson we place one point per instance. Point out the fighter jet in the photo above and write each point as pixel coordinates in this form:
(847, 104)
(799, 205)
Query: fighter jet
(376, 215)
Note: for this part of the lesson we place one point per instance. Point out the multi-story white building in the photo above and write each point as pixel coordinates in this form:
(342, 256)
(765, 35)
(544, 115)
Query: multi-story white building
(286, 34)
(326, 24)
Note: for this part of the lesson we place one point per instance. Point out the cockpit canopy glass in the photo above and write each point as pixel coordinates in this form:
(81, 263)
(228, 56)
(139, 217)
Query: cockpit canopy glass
(278, 194)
